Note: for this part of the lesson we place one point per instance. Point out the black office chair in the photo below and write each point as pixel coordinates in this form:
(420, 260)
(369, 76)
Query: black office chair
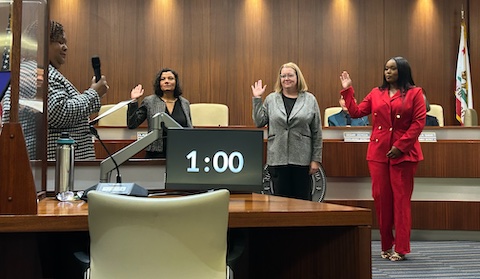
(319, 184)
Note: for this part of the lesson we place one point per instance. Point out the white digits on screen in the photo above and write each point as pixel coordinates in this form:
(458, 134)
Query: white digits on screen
(227, 161)
(192, 156)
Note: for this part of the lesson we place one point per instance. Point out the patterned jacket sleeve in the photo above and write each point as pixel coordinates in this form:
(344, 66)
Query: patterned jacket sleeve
(260, 111)
(67, 107)
(6, 107)
(186, 109)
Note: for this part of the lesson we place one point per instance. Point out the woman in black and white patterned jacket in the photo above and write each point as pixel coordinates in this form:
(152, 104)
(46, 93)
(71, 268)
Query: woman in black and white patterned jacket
(68, 109)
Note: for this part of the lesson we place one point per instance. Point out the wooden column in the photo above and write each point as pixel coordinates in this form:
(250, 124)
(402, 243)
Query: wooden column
(17, 186)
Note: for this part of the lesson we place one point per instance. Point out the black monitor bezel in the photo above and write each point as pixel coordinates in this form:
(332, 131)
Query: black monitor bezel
(235, 134)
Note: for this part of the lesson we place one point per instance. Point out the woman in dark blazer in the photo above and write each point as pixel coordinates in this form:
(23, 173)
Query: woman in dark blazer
(166, 99)
(294, 147)
(398, 117)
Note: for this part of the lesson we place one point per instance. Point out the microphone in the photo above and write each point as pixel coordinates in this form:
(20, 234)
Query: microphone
(96, 68)
(128, 189)
(95, 133)
(349, 120)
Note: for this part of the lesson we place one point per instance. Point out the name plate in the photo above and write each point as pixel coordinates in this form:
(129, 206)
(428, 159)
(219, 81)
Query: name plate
(365, 137)
(356, 136)
(128, 189)
(428, 137)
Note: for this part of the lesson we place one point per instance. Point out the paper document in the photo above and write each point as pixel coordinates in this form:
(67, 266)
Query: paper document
(111, 110)
(34, 104)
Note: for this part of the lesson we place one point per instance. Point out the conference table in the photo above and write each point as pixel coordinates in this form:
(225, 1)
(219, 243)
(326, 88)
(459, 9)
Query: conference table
(283, 237)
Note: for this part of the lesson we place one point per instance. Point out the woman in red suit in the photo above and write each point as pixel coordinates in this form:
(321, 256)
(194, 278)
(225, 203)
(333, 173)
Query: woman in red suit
(398, 117)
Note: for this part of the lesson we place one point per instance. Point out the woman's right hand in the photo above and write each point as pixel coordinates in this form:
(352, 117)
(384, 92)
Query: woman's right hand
(101, 86)
(345, 79)
(258, 89)
(136, 92)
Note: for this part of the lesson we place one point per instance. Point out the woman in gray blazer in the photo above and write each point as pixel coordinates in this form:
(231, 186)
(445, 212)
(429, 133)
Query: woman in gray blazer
(294, 148)
(166, 99)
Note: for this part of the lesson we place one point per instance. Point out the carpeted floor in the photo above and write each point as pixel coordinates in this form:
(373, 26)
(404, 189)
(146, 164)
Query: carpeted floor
(430, 259)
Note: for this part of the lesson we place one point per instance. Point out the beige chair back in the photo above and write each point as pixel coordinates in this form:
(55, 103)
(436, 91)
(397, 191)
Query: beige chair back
(471, 118)
(206, 114)
(169, 237)
(437, 111)
(116, 119)
(328, 112)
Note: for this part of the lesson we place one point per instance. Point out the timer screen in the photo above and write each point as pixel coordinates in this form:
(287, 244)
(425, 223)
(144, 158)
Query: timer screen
(204, 159)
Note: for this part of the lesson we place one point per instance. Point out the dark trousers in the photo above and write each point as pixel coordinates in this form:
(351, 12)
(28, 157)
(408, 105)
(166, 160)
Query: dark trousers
(291, 181)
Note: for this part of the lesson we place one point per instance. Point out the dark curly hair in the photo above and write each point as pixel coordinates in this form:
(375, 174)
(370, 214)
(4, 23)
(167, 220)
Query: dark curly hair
(57, 33)
(156, 84)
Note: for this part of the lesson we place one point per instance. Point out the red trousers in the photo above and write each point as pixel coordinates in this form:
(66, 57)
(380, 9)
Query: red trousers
(392, 187)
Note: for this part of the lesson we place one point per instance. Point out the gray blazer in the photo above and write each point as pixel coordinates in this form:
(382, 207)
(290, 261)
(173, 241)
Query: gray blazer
(296, 141)
(150, 106)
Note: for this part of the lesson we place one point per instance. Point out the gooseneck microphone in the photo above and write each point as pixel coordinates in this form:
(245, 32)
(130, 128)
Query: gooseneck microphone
(96, 68)
(129, 189)
(95, 133)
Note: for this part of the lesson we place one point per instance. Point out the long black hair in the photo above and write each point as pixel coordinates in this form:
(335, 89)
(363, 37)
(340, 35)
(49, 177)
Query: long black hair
(156, 84)
(405, 80)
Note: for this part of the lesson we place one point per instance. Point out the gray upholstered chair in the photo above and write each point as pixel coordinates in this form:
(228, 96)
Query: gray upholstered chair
(328, 112)
(170, 237)
(437, 111)
(116, 119)
(471, 118)
(209, 114)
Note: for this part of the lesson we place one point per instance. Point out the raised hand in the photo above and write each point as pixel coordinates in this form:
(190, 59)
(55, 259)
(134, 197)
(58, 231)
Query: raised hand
(345, 79)
(258, 89)
(136, 92)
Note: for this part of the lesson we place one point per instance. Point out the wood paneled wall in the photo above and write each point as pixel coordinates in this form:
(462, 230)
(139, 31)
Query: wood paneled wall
(432, 215)
(445, 158)
(220, 47)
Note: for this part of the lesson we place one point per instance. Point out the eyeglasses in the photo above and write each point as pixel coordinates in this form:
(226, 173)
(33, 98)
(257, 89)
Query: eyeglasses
(288, 75)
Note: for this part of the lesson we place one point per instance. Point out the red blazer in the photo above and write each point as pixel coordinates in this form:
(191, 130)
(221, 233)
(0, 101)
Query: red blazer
(396, 121)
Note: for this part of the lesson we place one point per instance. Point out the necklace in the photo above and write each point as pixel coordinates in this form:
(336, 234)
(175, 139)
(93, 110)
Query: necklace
(169, 101)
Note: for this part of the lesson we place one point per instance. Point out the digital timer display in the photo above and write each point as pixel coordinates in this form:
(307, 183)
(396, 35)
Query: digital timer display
(204, 159)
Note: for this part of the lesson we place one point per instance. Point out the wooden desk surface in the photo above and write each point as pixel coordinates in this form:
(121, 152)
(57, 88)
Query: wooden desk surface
(246, 210)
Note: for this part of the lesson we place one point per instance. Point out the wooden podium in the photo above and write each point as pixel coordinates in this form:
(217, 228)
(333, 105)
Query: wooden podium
(18, 197)
(17, 189)
(17, 186)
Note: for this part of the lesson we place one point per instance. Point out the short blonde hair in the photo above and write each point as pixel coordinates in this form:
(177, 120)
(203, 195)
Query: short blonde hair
(301, 83)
